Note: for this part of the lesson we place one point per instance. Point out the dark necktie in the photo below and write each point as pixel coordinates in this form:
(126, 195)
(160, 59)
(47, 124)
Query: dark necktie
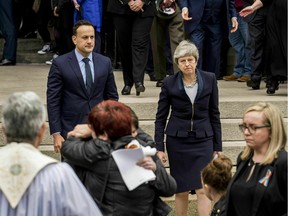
(89, 81)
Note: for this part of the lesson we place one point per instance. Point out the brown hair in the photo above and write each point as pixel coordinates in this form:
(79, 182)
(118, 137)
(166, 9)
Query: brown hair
(135, 120)
(217, 173)
(111, 117)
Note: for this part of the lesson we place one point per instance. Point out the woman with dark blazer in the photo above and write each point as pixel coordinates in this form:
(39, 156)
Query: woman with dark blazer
(193, 131)
(259, 186)
(133, 20)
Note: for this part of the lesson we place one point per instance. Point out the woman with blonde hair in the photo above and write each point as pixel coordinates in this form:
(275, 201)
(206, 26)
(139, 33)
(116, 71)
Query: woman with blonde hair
(259, 186)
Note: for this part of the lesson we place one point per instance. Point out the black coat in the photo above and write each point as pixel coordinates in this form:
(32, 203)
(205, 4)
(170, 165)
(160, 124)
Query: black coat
(93, 158)
(268, 200)
(219, 208)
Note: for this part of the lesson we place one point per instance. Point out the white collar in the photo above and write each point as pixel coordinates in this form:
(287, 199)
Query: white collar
(19, 164)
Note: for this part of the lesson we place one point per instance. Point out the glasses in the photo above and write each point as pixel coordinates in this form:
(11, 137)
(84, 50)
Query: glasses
(251, 129)
(185, 61)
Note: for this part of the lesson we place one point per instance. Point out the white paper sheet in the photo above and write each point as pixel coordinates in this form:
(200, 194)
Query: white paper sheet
(132, 174)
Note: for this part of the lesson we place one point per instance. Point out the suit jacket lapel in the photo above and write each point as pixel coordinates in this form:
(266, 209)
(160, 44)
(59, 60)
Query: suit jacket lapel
(95, 65)
(77, 71)
(200, 83)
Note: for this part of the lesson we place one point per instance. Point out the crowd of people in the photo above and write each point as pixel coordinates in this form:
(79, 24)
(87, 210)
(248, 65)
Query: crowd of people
(258, 38)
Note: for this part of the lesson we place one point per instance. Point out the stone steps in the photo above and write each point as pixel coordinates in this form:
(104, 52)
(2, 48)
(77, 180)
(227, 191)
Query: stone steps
(27, 51)
(30, 73)
(234, 98)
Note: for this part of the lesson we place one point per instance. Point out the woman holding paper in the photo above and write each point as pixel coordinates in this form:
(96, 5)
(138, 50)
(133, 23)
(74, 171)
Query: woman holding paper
(110, 123)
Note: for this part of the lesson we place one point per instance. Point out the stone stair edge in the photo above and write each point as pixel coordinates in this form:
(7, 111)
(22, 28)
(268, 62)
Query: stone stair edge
(228, 109)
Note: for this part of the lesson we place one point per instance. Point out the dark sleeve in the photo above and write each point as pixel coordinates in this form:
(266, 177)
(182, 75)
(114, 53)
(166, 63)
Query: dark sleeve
(84, 153)
(161, 116)
(215, 115)
(54, 97)
(182, 3)
(266, 2)
(164, 184)
(146, 138)
(110, 91)
(232, 9)
(54, 3)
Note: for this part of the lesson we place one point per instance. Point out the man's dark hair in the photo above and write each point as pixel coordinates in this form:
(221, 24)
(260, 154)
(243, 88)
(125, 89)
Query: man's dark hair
(81, 23)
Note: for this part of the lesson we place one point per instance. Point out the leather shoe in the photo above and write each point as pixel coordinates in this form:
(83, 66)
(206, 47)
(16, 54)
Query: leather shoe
(243, 79)
(231, 77)
(139, 88)
(159, 83)
(274, 85)
(254, 84)
(152, 77)
(126, 90)
(6, 62)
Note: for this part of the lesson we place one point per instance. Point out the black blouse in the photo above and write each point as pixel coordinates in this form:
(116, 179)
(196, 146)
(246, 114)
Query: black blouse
(243, 189)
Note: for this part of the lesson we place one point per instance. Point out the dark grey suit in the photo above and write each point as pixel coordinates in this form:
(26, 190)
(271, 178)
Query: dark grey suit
(204, 112)
(193, 130)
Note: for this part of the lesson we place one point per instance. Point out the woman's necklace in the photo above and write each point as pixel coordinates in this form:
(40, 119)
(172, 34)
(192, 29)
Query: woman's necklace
(191, 85)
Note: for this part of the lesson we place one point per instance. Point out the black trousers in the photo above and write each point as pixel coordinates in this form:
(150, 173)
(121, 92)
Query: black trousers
(7, 27)
(44, 15)
(256, 29)
(133, 35)
(64, 27)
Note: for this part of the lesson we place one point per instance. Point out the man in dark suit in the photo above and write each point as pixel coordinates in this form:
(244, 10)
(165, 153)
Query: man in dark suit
(8, 30)
(75, 86)
(204, 24)
(132, 20)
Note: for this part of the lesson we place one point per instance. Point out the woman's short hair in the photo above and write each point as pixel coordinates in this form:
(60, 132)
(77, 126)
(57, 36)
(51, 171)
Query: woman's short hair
(278, 136)
(186, 48)
(217, 174)
(111, 117)
(23, 114)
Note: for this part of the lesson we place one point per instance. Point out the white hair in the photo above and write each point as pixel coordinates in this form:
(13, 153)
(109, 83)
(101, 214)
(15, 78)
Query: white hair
(23, 115)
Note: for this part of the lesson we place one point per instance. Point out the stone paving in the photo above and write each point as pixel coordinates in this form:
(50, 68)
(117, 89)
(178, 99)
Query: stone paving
(33, 77)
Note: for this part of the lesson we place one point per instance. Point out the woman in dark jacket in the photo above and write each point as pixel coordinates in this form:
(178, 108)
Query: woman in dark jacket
(110, 122)
(259, 186)
(193, 132)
